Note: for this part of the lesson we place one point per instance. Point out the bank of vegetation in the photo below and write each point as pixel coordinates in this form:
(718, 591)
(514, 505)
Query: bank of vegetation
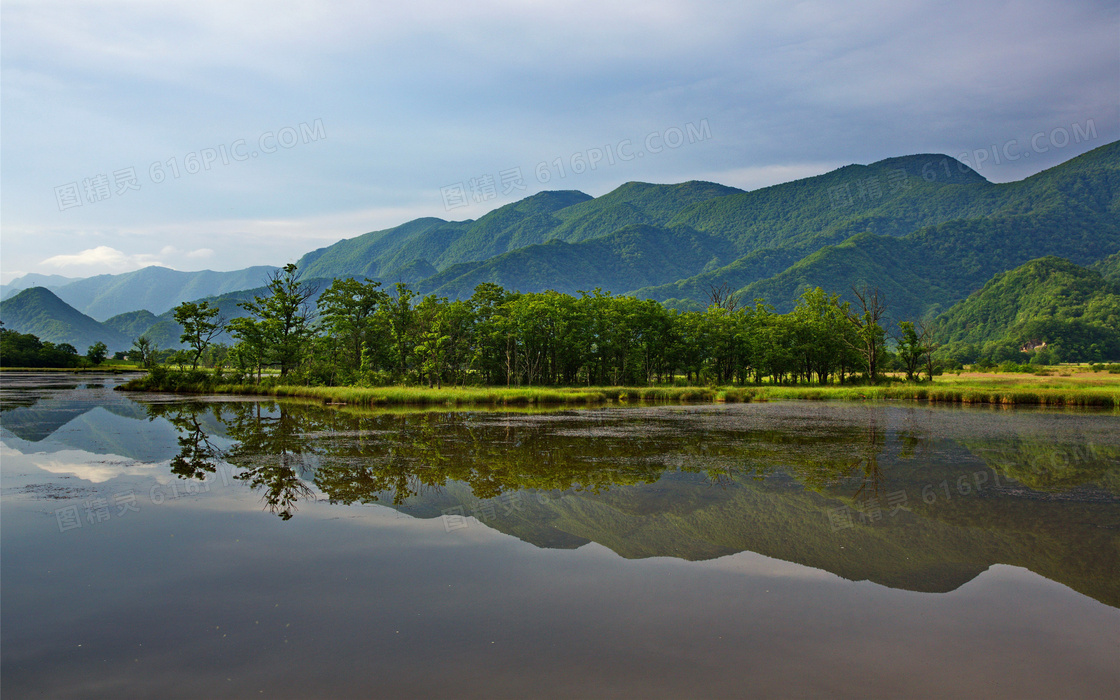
(363, 345)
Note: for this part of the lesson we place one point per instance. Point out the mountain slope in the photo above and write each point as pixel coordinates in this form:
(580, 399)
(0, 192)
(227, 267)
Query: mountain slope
(567, 215)
(38, 311)
(1072, 310)
(632, 257)
(1109, 267)
(132, 324)
(1071, 212)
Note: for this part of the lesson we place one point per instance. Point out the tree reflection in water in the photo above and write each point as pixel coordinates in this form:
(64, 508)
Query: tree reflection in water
(287, 450)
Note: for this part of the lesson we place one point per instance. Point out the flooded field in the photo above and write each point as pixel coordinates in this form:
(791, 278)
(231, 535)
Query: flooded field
(159, 546)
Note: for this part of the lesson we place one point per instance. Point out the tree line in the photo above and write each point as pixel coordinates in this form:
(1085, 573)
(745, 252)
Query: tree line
(28, 350)
(359, 333)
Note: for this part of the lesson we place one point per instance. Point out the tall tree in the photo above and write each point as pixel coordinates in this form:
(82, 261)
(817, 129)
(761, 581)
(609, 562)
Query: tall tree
(401, 317)
(910, 349)
(200, 324)
(349, 313)
(284, 318)
(869, 340)
(143, 351)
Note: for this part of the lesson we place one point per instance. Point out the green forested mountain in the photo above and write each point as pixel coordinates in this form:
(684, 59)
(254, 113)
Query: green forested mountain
(132, 324)
(635, 256)
(1050, 303)
(569, 216)
(925, 229)
(1071, 211)
(156, 289)
(1109, 267)
(39, 312)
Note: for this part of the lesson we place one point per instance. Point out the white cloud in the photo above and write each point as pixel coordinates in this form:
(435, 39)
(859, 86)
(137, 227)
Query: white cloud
(105, 259)
(102, 258)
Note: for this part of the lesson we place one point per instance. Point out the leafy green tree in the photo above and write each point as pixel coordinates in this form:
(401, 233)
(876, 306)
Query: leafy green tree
(143, 351)
(201, 325)
(433, 342)
(911, 350)
(251, 352)
(281, 321)
(97, 352)
(353, 314)
(401, 318)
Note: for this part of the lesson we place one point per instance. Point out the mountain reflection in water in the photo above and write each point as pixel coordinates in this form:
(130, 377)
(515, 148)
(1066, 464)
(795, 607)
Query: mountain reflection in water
(912, 498)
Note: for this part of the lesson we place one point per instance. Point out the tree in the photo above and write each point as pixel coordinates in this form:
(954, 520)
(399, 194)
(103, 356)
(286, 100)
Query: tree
(97, 352)
(926, 333)
(910, 349)
(723, 296)
(283, 321)
(434, 342)
(348, 309)
(200, 324)
(251, 350)
(402, 327)
(143, 351)
(869, 339)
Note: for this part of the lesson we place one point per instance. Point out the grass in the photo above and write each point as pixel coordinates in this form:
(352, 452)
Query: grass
(461, 396)
(103, 368)
(1070, 386)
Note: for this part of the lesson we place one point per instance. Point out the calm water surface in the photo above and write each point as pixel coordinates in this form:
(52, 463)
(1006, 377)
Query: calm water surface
(157, 547)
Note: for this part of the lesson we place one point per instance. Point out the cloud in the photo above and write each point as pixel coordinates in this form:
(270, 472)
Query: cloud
(102, 257)
(421, 95)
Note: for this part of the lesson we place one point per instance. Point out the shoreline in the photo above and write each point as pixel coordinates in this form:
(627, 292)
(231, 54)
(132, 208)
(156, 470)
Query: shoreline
(577, 396)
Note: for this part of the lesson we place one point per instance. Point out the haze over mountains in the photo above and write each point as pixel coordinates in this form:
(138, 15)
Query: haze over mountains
(926, 229)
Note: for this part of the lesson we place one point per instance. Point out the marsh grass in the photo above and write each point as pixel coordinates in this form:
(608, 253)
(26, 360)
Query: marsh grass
(1081, 388)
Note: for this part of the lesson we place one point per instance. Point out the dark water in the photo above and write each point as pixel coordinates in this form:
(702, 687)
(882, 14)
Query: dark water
(158, 547)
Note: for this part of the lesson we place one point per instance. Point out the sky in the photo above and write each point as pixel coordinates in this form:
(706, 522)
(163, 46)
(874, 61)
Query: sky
(219, 135)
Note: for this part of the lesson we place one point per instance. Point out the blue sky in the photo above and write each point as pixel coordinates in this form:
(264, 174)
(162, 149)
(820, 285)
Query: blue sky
(293, 125)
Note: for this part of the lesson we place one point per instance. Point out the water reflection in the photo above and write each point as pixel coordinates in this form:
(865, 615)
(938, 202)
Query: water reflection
(916, 498)
(369, 457)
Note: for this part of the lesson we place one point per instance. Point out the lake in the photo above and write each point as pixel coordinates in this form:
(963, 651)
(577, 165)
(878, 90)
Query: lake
(153, 545)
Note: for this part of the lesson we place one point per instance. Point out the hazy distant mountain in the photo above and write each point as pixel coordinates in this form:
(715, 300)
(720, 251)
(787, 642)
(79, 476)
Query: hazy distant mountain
(156, 289)
(34, 279)
(38, 311)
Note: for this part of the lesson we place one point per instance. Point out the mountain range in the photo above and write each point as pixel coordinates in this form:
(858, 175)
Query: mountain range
(926, 229)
